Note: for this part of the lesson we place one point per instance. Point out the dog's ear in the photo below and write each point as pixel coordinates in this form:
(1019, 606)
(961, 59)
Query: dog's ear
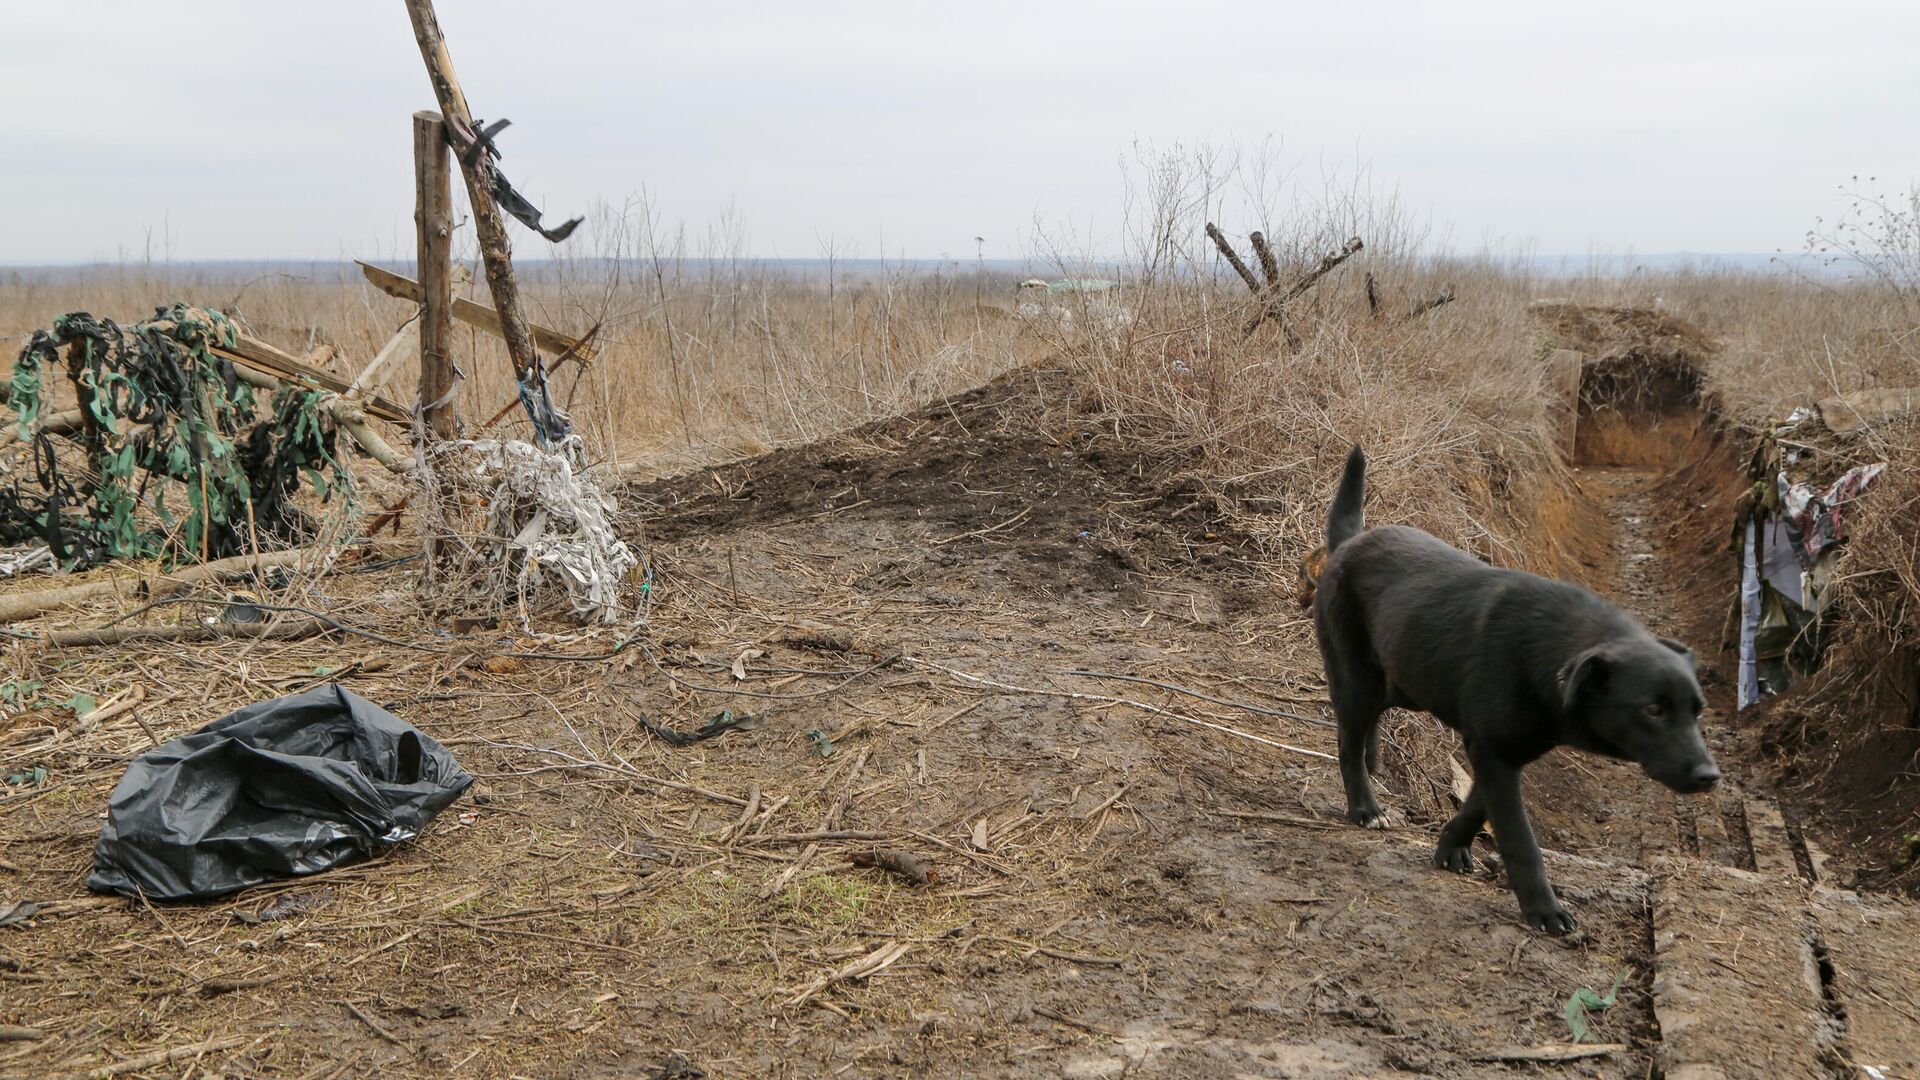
(1585, 672)
(1679, 648)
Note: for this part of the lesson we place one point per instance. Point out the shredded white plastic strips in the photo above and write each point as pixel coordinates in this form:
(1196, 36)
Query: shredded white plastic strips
(544, 520)
(27, 559)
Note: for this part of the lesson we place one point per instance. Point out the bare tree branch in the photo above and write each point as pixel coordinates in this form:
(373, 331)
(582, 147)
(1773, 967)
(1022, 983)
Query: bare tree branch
(1445, 296)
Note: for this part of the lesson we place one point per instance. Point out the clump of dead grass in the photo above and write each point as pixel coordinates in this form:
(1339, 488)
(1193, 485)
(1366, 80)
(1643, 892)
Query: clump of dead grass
(1452, 405)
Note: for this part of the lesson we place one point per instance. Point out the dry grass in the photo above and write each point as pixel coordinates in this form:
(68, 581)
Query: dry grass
(608, 874)
(698, 361)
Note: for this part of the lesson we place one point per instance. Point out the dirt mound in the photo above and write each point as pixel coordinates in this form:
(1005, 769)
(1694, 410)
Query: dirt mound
(1066, 505)
(1607, 332)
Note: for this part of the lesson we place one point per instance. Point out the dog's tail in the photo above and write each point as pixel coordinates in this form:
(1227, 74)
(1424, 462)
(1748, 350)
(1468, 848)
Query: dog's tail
(1346, 518)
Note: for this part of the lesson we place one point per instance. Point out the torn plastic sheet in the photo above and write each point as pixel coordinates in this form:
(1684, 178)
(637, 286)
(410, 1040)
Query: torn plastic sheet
(281, 788)
(1818, 516)
(1786, 559)
(526, 213)
(510, 200)
(551, 425)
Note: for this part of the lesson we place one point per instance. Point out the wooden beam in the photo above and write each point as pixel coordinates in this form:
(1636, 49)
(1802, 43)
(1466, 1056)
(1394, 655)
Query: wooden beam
(27, 605)
(496, 252)
(251, 352)
(433, 218)
(1269, 266)
(478, 316)
(260, 356)
(405, 339)
(1233, 258)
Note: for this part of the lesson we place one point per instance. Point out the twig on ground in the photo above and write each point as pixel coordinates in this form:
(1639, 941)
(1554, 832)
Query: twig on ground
(1091, 1029)
(1007, 524)
(143, 1062)
(1241, 705)
(875, 961)
(184, 632)
(372, 1023)
(623, 770)
(981, 680)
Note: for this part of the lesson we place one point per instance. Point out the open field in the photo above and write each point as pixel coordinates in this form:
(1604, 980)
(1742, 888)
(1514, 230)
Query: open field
(1017, 597)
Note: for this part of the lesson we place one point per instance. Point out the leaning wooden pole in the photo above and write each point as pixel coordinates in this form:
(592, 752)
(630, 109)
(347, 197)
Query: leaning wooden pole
(433, 217)
(495, 250)
(1233, 257)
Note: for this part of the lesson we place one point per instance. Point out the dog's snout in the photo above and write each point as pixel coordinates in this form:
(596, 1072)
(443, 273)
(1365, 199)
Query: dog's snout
(1705, 775)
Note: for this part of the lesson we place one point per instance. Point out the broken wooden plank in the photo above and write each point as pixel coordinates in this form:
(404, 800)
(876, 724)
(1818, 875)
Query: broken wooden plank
(1872, 950)
(260, 356)
(1736, 986)
(1772, 847)
(478, 316)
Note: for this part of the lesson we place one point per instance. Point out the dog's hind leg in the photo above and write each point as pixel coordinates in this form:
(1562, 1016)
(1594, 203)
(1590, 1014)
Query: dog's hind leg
(1359, 697)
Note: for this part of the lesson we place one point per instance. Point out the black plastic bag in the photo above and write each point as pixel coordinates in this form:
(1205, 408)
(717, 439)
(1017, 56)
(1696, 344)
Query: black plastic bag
(278, 789)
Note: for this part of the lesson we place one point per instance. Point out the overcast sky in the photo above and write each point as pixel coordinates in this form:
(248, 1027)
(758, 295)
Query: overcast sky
(250, 129)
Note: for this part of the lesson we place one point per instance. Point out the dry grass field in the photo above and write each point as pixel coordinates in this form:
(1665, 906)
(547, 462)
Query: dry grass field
(1015, 596)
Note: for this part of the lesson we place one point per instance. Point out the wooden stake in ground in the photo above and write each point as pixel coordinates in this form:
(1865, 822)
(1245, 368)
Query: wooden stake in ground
(433, 218)
(496, 252)
(1273, 300)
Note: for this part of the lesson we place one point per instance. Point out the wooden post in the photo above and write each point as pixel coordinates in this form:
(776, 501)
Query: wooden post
(1565, 368)
(1233, 258)
(1269, 266)
(495, 250)
(433, 216)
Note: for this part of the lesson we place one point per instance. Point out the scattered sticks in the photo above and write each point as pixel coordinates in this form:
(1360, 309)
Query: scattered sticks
(828, 824)
(143, 1062)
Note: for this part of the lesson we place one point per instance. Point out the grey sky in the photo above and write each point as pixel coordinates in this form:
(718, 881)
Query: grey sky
(257, 129)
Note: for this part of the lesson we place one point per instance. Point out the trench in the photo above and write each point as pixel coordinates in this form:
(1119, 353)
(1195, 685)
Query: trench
(1654, 477)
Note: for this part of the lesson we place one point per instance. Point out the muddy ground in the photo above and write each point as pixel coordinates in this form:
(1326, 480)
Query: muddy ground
(1050, 667)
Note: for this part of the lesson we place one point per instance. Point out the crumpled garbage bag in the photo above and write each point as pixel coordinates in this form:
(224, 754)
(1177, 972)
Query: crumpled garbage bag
(279, 789)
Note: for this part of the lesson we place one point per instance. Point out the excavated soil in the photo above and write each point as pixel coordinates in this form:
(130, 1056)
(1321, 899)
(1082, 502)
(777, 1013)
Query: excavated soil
(1049, 666)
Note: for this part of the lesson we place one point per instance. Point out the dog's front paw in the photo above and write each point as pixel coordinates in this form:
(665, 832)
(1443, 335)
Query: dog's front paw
(1457, 859)
(1369, 816)
(1553, 919)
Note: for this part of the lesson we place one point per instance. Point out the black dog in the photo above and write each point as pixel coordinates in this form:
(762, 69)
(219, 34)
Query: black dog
(1517, 664)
